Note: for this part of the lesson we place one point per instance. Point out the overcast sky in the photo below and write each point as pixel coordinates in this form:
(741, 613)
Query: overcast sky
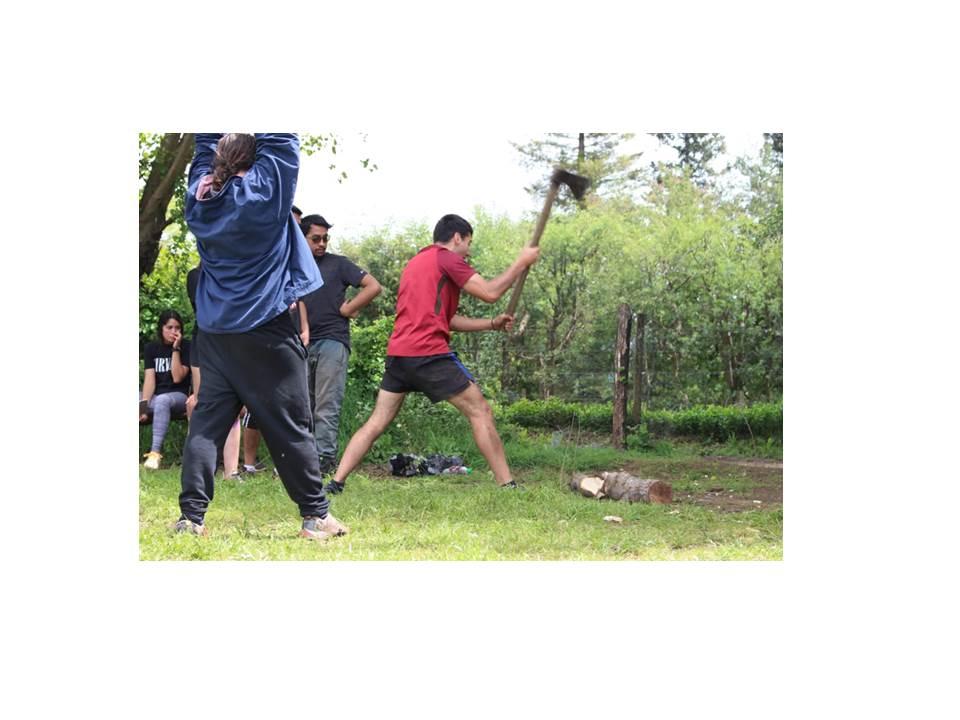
(422, 175)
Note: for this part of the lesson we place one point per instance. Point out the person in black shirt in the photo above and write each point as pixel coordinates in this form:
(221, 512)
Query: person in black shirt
(166, 381)
(328, 336)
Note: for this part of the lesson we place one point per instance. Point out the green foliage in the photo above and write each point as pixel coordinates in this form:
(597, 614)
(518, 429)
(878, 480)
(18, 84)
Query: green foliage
(775, 143)
(762, 420)
(555, 413)
(383, 254)
(713, 422)
(640, 438)
(166, 287)
(369, 348)
(695, 152)
(148, 145)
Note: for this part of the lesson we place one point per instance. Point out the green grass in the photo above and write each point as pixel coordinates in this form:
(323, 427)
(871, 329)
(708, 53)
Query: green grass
(465, 517)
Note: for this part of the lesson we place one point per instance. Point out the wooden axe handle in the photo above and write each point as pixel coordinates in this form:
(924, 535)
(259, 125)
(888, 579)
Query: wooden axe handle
(534, 241)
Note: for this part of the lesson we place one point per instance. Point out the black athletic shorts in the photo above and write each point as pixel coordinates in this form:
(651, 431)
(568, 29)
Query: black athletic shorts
(436, 376)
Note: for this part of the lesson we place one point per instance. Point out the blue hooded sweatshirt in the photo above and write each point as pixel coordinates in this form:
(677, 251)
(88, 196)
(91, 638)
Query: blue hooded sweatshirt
(255, 260)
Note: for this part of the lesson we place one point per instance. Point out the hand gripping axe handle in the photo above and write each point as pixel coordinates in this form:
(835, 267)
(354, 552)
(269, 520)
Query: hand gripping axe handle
(578, 186)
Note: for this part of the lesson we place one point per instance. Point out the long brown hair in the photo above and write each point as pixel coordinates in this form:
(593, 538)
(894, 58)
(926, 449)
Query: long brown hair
(235, 152)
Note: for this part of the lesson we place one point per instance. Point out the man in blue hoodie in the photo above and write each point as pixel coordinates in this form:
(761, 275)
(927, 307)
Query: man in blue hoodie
(254, 264)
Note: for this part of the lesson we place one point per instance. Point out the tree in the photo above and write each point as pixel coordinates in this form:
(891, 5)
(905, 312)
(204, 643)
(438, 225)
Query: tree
(163, 162)
(775, 142)
(764, 200)
(695, 152)
(593, 155)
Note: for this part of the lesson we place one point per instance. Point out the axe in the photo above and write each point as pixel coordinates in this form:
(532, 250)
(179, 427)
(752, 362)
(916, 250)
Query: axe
(578, 186)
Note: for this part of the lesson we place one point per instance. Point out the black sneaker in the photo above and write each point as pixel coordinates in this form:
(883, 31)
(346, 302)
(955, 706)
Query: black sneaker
(333, 488)
(512, 485)
(328, 465)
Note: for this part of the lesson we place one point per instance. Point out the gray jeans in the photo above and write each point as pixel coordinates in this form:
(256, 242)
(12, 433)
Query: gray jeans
(327, 373)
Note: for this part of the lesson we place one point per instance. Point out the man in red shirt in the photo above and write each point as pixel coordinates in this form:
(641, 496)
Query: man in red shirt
(418, 353)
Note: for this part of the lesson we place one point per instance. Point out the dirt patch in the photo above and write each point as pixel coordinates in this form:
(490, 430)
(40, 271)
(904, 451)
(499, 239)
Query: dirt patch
(377, 470)
(747, 462)
(760, 497)
(726, 484)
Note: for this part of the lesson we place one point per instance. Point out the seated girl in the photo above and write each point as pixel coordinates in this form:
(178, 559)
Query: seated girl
(166, 381)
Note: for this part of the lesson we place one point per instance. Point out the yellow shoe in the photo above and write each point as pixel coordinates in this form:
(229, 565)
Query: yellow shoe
(152, 461)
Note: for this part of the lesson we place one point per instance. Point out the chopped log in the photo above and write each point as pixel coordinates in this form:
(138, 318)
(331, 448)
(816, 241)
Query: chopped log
(624, 486)
(588, 485)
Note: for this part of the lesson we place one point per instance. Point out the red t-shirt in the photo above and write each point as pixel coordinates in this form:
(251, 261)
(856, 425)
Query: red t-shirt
(427, 300)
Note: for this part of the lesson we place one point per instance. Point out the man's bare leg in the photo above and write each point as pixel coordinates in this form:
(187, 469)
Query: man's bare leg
(386, 409)
(475, 408)
(251, 444)
(231, 451)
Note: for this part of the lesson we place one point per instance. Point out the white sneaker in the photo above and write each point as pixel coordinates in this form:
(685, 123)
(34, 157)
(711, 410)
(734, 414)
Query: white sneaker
(317, 529)
(191, 528)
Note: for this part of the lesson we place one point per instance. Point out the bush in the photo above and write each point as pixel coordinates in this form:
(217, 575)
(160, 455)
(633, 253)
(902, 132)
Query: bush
(715, 422)
(639, 439)
(556, 414)
(709, 422)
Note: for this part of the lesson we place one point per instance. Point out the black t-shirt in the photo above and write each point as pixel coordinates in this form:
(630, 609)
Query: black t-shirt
(323, 305)
(159, 356)
(193, 279)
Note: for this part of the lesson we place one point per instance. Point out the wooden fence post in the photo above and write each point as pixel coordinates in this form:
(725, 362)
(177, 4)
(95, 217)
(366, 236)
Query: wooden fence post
(621, 365)
(638, 370)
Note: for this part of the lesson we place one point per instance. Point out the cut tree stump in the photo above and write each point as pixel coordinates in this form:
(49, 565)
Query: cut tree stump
(622, 486)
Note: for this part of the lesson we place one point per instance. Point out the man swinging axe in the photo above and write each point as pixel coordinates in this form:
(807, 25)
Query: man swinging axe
(418, 353)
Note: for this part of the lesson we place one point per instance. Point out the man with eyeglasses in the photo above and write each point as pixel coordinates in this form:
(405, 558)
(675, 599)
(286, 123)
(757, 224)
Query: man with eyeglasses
(327, 316)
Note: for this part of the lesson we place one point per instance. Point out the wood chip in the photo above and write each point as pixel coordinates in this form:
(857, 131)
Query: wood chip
(592, 486)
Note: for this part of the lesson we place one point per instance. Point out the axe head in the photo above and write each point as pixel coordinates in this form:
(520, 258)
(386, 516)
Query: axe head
(577, 183)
